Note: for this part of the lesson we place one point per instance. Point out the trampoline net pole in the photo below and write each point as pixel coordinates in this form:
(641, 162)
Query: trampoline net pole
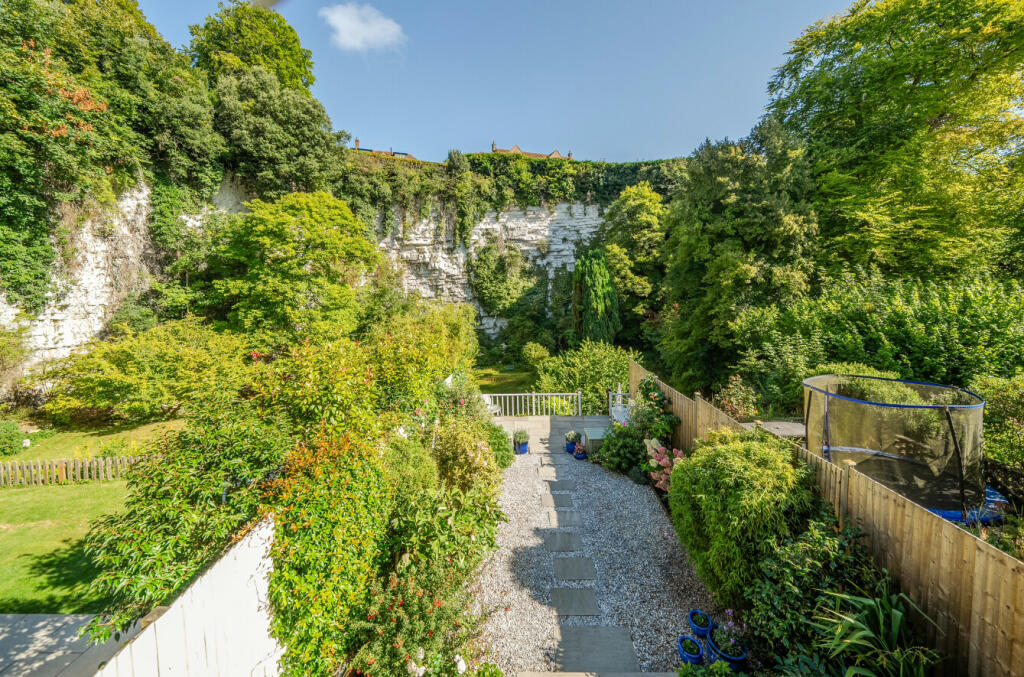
(959, 463)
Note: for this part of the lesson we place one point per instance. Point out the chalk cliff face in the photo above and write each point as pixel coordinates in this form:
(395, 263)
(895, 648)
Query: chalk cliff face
(108, 260)
(432, 265)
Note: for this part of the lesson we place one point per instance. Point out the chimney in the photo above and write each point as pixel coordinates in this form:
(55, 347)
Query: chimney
(570, 155)
(494, 147)
(357, 143)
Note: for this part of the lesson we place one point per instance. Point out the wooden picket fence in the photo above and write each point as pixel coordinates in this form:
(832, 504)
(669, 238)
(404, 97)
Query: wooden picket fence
(973, 591)
(17, 473)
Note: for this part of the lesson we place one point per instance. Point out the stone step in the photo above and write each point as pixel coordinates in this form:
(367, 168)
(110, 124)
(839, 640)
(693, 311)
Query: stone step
(600, 649)
(575, 602)
(556, 500)
(575, 569)
(561, 519)
(561, 485)
(562, 541)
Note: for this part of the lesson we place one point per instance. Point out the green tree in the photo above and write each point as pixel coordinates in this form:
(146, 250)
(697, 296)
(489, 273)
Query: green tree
(634, 239)
(595, 305)
(279, 140)
(241, 36)
(741, 231)
(911, 110)
(288, 270)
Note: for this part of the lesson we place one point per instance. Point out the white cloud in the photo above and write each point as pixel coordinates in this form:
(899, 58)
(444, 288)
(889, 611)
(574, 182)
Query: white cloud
(360, 28)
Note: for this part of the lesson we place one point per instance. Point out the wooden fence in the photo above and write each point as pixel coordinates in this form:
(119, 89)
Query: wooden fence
(16, 473)
(973, 591)
(535, 404)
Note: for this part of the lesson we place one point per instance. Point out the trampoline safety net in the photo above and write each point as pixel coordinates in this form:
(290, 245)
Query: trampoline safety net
(920, 439)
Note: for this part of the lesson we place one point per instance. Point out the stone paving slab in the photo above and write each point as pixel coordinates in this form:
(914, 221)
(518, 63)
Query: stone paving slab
(547, 472)
(595, 649)
(48, 645)
(560, 519)
(554, 459)
(561, 541)
(561, 485)
(575, 602)
(556, 500)
(575, 569)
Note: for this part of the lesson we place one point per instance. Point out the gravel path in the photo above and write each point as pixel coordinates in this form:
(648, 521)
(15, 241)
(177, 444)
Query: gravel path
(644, 581)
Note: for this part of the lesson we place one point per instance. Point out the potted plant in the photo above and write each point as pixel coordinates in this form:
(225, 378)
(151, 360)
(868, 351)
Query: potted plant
(700, 623)
(690, 650)
(580, 452)
(571, 438)
(726, 643)
(521, 440)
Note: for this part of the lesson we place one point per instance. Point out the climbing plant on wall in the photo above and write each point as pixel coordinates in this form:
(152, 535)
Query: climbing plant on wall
(499, 276)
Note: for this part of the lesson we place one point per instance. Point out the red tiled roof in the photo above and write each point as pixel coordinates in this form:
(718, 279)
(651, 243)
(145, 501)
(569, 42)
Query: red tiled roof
(518, 151)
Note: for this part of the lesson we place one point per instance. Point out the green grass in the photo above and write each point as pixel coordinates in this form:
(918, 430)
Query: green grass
(116, 441)
(43, 568)
(496, 380)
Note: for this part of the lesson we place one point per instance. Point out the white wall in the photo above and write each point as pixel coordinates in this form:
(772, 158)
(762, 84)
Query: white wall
(109, 252)
(220, 625)
(432, 265)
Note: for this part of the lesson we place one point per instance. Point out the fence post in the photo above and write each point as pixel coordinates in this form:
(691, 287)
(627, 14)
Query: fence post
(579, 402)
(844, 500)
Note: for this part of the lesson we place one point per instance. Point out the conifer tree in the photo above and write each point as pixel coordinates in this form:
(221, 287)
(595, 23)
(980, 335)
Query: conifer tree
(595, 309)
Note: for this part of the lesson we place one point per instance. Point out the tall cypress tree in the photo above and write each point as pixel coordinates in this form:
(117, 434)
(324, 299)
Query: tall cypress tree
(595, 306)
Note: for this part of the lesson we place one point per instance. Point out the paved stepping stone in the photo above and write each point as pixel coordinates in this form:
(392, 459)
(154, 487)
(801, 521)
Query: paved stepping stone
(559, 519)
(595, 649)
(562, 541)
(556, 500)
(575, 602)
(554, 459)
(561, 485)
(575, 569)
(547, 472)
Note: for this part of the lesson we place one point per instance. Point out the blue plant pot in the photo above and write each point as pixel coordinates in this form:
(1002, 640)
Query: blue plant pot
(735, 663)
(697, 630)
(570, 447)
(579, 456)
(690, 658)
(522, 447)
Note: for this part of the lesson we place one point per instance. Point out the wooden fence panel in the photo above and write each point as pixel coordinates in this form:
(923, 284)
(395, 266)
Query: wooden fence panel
(973, 591)
(16, 473)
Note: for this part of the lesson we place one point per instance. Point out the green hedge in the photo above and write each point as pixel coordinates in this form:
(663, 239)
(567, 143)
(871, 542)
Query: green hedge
(730, 500)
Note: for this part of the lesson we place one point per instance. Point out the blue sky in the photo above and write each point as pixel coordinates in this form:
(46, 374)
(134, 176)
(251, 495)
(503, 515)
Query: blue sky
(613, 81)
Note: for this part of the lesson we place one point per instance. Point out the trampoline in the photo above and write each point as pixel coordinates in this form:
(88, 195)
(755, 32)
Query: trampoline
(922, 440)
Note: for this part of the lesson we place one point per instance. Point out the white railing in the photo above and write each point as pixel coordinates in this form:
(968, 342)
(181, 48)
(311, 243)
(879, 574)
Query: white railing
(535, 404)
(618, 406)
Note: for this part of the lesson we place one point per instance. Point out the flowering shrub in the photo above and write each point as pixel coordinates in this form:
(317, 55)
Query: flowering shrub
(730, 636)
(660, 463)
(737, 399)
(464, 458)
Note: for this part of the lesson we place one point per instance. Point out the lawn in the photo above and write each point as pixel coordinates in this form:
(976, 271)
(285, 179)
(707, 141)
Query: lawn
(497, 380)
(43, 568)
(114, 441)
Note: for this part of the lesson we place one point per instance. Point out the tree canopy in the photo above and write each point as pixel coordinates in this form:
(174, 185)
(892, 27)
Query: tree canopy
(241, 36)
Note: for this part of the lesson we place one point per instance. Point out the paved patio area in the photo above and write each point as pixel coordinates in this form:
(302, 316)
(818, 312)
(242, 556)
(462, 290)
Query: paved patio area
(48, 645)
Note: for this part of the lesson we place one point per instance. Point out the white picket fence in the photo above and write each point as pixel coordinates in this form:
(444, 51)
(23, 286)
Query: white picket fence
(535, 404)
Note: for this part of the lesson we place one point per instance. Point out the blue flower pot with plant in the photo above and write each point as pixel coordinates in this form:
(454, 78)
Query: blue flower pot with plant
(690, 650)
(726, 643)
(580, 453)
(571, 439)
(700, 623)
(521, 441)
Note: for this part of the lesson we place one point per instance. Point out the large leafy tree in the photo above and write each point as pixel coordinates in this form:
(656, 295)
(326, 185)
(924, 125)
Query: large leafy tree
(279, 140)
(595, 305)
(741, 234)
(912, 113)
(634, 240)
(241, 35)
(289, 269)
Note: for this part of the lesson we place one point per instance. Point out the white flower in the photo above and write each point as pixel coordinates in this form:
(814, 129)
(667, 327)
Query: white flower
(26, 443)
(460, 664)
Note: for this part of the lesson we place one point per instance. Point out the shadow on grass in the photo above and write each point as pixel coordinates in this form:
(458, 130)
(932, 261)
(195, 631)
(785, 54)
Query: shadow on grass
(62, 579)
